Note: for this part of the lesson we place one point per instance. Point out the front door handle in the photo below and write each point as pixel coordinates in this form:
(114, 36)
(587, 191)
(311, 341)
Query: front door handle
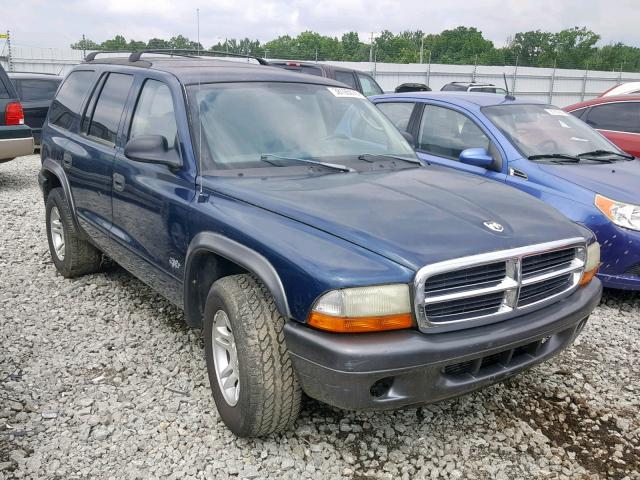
(67, 160)
(118, 182)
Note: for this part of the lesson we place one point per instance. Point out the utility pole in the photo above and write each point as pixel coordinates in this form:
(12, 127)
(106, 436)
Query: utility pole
(371, 49)
(9, 56)
(421, 48)
(84, 48)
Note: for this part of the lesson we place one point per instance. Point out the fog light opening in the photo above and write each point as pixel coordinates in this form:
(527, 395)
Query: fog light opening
(381, 387)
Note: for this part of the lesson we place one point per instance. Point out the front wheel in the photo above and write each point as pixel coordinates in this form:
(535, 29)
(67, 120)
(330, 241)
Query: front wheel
(72, 255)
(251, 375)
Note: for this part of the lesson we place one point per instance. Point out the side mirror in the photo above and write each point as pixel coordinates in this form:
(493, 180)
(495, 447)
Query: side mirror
(478, 157)
(408, 137)
(152, 149)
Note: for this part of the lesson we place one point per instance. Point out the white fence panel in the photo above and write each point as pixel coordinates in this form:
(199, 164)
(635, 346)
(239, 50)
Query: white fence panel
(558, 86)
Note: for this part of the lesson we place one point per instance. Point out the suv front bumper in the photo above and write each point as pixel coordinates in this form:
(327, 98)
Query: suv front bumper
(376, 371)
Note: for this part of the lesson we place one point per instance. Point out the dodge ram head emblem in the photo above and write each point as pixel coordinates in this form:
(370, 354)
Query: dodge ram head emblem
(495, 226)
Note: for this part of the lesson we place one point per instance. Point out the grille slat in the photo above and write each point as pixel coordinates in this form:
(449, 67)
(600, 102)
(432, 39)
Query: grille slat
(535, 264)
(496, 287)
(483, 274)
(456, 307)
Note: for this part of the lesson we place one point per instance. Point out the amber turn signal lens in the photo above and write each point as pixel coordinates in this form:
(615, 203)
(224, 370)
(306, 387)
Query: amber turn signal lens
(588, 276)
(330, 323)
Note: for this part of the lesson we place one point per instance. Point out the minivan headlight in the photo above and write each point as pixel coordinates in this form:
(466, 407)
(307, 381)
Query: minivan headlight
(363, 309)
(622, 214)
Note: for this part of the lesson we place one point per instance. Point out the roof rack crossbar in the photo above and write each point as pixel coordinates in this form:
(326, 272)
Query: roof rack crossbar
(92, 55)
(193, 53)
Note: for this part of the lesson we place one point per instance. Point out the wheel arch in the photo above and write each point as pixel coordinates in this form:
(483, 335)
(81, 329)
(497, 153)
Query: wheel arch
(51, 176)
(212, 256)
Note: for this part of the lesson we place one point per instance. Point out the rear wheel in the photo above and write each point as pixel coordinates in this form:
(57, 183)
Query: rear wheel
(250, 372)
(71, 255)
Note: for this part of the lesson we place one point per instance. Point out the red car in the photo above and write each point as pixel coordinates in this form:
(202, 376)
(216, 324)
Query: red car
(617, 118)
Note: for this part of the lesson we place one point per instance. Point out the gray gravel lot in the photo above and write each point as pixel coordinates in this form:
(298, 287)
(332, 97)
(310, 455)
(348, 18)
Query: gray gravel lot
(100, 378)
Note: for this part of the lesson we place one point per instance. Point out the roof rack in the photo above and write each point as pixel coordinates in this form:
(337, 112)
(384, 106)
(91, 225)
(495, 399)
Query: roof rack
(92, 55)
(134, 56)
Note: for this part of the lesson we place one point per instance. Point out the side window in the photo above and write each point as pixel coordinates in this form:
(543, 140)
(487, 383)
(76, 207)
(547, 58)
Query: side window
(36, 90)
(369, 85)
(581, 113)
(109, 107)
(66, 106)
(154, 114)
(347, 78)
(399, 113)
(620, 117)
(446, 133)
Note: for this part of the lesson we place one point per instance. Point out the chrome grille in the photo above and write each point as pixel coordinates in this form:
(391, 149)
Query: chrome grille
(490, 287)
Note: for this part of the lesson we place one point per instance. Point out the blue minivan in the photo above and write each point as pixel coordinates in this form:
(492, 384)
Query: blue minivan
(539, 149)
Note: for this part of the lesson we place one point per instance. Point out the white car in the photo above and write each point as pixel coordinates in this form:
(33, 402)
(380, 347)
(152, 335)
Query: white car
(622, 89)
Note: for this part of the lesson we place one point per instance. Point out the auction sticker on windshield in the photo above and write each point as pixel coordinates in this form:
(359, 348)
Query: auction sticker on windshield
(345, 92)
(556, 111)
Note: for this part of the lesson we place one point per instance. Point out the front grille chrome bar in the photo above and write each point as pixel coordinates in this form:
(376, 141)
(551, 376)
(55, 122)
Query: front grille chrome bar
(444, 308)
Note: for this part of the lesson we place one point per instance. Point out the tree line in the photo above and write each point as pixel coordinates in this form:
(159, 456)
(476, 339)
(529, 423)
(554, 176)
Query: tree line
(571, 48)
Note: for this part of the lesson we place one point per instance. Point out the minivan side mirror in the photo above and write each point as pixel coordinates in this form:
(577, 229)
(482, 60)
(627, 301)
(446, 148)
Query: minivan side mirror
(478, 157)
(152, 149)
(408, 137)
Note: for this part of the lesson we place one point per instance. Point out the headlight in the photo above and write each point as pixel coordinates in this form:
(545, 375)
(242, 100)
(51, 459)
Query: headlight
(622, 214)
(591, 263)
(363, 309)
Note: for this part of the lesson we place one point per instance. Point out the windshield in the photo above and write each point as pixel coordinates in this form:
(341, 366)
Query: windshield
(258, 125)
(546, 130)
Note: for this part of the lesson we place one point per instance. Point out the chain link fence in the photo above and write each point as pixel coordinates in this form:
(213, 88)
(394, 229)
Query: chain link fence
(553, 84)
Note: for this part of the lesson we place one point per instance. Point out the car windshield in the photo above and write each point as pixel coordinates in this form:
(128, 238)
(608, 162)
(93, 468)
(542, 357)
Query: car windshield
(258, 125)
(539, 130)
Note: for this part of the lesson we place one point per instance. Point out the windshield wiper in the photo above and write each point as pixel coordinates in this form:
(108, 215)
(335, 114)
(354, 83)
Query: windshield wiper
(366, 156)
(335, 166)
(602, 153)
(561, 156)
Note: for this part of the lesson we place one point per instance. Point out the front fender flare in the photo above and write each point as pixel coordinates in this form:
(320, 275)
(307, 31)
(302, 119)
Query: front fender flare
(49, 165)
(241, 255)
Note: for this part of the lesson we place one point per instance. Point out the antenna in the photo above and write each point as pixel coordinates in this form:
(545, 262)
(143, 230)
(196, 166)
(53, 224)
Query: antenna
(199, 117)
(508, 96)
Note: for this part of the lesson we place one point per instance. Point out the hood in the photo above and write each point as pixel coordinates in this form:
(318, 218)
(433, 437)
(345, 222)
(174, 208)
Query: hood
(618, 181)
(413, 216)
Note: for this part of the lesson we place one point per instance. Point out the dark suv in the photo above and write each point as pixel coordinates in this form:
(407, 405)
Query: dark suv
(36, 90)
(360, 81)
(16, 139)
(294, 224)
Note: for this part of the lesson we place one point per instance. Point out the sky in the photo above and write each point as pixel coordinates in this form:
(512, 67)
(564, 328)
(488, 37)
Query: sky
(58, 23)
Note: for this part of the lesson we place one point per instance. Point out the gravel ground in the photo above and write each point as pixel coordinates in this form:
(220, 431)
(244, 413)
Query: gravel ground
(100, 378)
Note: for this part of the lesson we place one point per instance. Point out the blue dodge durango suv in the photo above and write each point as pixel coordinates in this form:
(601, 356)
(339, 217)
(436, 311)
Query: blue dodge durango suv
(294, 224)
(538, 149)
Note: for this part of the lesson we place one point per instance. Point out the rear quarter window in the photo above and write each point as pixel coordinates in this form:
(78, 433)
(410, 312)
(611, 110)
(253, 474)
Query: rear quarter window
(4, 93)
(65, 108)
(34, 90)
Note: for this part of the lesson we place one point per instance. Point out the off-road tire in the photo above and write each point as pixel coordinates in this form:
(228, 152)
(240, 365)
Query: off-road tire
(270, 395)
(80, 257)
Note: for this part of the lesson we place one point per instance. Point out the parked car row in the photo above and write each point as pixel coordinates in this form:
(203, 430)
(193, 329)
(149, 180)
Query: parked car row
(371, 254)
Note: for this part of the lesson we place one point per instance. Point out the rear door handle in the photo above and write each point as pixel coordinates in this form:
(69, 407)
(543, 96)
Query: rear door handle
(67, 160)
(118, 182)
